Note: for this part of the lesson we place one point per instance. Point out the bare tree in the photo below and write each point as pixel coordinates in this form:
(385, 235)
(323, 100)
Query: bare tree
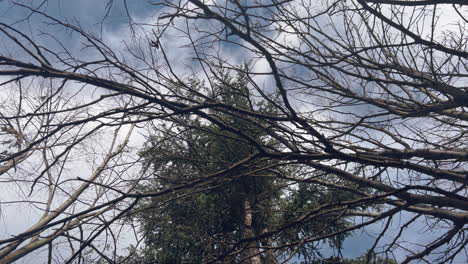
(369, 96)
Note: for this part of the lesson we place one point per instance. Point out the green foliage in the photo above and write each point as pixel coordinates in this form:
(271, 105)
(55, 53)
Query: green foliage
(203, 222)
(365, 259)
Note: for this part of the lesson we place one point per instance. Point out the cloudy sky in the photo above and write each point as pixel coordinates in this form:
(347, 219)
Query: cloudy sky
(110, 20)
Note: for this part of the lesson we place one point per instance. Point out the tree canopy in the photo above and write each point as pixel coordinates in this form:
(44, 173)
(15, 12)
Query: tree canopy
(240, 203)
(321, 120)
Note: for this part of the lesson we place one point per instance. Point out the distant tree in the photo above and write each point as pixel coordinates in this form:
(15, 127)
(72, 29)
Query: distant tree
(371, 259)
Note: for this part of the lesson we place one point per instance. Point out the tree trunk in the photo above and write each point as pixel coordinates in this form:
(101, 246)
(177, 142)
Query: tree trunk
(250, 253)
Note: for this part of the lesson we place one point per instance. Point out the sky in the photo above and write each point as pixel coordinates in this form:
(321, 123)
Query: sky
(91, 15)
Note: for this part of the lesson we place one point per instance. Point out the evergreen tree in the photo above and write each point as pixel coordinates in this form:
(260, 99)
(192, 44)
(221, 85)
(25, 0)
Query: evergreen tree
(240, 203)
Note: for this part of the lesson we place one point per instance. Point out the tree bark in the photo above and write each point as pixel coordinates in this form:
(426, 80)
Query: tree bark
(250, 253)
